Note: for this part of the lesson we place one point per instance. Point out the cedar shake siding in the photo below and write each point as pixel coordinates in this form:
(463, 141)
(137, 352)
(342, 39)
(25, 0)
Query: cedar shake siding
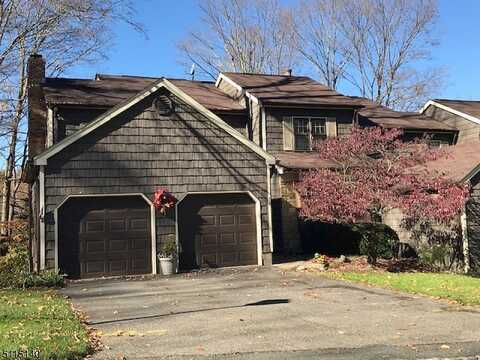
(468, 131)
(344, 120)
(70, 119)
(473, 224)
(140, 151)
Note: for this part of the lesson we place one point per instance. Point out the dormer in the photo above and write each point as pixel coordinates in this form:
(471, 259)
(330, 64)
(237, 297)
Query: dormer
(288, 113)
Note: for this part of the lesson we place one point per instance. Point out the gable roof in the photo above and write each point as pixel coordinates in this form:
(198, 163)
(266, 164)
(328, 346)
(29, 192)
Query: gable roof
(285, 90)
(42, 158)
(462, 162)
(468, 109)
(110, 90)
(388, 118)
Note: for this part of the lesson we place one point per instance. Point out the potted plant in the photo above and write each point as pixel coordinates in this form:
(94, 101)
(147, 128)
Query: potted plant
(166, 256)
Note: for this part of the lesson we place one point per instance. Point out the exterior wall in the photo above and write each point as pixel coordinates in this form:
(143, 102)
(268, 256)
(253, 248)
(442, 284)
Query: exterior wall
(140, 151)
(473, 224)
(274, 122)
(69, 120)
(440, 138)
(394, 218)
(238, 122)
(289, 213)
(468, 130)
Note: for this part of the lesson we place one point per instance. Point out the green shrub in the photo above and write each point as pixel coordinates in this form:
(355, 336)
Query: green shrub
(15, 272)
(437, 256)
(377, 241)
(168, 248)
(14, 266)
(45, 278)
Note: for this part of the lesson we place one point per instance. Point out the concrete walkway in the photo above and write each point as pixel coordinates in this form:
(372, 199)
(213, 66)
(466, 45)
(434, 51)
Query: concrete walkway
(262, 313)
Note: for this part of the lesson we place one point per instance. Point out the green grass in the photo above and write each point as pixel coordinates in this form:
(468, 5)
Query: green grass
(39, 320)
(462, 289)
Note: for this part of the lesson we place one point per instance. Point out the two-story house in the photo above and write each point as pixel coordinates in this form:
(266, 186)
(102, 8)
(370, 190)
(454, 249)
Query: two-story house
(228, 151)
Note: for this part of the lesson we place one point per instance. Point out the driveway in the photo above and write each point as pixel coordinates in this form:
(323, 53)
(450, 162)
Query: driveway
(263, 313)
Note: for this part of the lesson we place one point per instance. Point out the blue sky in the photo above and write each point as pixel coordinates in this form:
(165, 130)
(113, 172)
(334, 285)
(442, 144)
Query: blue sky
(168, 21)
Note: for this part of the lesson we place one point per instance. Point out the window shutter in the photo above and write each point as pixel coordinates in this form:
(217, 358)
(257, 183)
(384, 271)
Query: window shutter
(331, 125)
(288, 135)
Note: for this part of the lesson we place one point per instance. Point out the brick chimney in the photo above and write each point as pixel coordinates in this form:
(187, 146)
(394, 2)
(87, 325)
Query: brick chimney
(37, 108)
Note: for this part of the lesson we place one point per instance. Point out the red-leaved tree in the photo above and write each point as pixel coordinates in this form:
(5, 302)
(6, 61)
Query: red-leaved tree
(372, 171)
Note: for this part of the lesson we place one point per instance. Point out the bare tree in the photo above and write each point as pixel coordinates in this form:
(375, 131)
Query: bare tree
(68, 32)
(253, 36)
(389, 40)
(320, 39)
(378, 46)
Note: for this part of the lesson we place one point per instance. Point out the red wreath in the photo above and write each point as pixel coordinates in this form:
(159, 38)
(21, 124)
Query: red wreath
(163, 200)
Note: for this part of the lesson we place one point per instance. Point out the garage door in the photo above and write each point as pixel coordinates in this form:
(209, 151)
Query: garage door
(105, 237)
(217, 231)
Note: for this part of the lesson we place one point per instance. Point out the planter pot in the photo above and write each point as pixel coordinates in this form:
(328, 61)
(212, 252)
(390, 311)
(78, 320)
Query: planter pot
(166, 265)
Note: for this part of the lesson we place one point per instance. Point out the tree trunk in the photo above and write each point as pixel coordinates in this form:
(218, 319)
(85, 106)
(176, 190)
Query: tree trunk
(12, 150)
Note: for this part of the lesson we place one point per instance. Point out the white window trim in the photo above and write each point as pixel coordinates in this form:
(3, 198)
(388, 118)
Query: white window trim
(152, 223)
(310, 118)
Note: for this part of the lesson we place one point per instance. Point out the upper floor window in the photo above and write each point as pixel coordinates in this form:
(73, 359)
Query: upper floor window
(301, 133)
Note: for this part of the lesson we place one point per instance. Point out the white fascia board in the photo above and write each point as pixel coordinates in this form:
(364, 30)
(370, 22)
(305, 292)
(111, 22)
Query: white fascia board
(117, 110)
(450, 110)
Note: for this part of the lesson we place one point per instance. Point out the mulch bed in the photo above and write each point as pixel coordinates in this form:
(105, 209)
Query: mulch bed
(360, 264)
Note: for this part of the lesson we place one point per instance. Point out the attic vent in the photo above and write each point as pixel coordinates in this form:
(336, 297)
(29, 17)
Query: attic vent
(163, 105)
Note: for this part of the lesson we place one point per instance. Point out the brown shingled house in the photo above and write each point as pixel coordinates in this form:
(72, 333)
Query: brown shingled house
(228, 151)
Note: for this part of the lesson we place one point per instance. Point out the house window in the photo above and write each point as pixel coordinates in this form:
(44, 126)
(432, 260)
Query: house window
(307, 130)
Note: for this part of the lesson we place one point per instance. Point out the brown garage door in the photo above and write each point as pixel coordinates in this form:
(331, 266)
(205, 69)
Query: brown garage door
(105, 237)
(217, 230)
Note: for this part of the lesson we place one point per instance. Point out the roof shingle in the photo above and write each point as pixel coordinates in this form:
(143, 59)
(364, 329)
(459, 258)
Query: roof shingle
(290, 90)
(388, 118)
(469, 107)
(110, 90)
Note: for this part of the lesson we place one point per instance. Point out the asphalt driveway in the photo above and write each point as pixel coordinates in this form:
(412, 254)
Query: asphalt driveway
(262, 313)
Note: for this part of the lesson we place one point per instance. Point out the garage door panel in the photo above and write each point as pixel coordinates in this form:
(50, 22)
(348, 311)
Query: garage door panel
(229, 259)
(138, 224)
(113, 236)
(95, 226)
(227, 219)
(139, 244)
(118, 225)
(247, 238)
(118, 245)
(92, 267)
(227, 239)
(95, 246)
(208, 241)
(218, 230)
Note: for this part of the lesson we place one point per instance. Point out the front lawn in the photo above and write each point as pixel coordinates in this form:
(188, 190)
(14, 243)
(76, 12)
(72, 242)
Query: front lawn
(462, 289)
(39, 322)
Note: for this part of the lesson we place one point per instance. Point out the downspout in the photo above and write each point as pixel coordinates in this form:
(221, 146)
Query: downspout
(466, 249)
(42, 216)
